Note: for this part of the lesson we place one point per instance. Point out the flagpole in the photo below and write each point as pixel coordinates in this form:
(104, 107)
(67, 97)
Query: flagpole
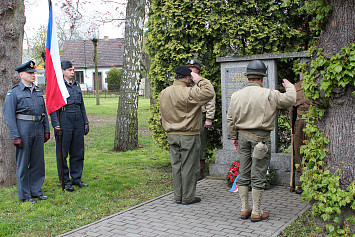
(59, 138)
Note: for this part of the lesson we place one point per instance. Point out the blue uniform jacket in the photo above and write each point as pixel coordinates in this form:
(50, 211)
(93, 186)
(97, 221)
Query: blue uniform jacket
(20, 100)
(75, 98)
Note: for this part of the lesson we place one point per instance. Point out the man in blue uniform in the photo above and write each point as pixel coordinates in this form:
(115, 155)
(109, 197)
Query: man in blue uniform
(71, 124)
(26, 116)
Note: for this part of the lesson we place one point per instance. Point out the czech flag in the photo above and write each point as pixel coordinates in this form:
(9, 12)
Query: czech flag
(56, 91)
(234, 188)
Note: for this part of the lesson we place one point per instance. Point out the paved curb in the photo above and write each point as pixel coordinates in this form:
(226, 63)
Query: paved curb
(218, 214)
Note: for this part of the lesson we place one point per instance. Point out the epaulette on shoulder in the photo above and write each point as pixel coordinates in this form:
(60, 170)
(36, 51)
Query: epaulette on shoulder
(10, 91)
(14, 86)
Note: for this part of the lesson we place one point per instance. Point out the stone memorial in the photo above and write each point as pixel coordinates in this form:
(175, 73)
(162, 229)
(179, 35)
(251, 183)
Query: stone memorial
(233, 79)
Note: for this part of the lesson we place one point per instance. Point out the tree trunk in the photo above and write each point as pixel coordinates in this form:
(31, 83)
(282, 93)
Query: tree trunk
(338, 121)
(126, 137)
(12, 20)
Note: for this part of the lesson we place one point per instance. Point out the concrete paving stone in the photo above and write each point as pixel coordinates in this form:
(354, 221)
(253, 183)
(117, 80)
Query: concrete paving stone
(217, 215)
(132, 235)
(246, 234)
(118, 230)
(104, 228)
(92, 234)
(105, 233)
(173, 232)
(204, 234)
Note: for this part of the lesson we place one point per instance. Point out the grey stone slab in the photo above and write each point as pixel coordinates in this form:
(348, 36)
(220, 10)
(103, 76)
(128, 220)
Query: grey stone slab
(232, 80)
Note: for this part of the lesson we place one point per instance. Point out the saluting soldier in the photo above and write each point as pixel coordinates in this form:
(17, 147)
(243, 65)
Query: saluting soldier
(180, 116)
(251, 118)
(71, 125)
(26, 116)
(208, 111)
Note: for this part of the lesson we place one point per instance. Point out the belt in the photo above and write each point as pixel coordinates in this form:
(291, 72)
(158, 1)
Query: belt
(253, 136)
(28, 117)
(71, 106)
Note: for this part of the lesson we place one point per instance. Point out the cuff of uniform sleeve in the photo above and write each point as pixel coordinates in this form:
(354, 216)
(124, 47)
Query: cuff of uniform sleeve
(198, 80)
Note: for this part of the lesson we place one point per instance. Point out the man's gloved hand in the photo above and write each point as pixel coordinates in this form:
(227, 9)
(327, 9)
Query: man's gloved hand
(58, 132)
(86, 129)
(47, 135)
(17, 142)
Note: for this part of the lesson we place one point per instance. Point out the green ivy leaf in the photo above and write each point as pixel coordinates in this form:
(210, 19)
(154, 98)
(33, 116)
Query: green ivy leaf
(330, 227)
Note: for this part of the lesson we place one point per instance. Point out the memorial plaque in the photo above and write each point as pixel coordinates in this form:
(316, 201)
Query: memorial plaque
(235, 80)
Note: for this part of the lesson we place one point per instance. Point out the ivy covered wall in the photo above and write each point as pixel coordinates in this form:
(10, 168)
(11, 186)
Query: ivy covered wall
(181, 29)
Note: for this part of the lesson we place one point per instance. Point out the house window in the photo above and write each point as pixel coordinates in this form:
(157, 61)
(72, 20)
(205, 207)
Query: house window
(79, 76)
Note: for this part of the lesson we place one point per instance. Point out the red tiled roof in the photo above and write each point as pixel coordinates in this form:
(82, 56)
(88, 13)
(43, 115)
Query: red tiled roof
(81, 53)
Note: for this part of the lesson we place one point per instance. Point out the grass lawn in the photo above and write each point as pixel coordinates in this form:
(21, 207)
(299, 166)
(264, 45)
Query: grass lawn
(117, 180)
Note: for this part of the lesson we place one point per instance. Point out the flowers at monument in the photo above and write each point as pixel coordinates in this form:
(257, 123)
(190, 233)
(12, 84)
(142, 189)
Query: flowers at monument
(233, 173)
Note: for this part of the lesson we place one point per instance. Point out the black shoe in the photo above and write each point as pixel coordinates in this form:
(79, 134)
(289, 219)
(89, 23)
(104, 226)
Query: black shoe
(197, 200)
(31, 200)
(81, 184)
(178, 202)
(299, 190)
(69, 188)
(42, 197)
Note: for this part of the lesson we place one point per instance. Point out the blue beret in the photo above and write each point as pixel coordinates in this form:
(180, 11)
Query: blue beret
(26, 67)
(66, 64)
(183, 70)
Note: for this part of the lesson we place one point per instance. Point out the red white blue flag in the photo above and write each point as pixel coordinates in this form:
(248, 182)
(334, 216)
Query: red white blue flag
(56, 91)
(234, 188)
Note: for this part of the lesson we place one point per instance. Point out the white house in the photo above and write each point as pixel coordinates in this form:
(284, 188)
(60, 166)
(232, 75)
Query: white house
(81, 54)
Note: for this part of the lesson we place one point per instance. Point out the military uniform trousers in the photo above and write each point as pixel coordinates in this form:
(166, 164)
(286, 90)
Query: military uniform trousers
(252, 170)
(184, 155)
(30, 172)
(203, 137)
(72, 123)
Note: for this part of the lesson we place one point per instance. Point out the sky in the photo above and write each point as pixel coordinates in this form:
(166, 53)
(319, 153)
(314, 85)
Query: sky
(36, 12)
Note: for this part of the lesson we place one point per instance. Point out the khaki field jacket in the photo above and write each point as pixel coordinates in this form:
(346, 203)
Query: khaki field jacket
(254, 107)
(180, 106)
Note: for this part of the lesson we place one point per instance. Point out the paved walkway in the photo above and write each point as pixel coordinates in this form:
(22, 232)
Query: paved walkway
(216, 215)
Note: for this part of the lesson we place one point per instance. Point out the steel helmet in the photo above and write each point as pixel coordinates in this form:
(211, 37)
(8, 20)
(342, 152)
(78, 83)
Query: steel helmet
(194, 62)
(256, 67)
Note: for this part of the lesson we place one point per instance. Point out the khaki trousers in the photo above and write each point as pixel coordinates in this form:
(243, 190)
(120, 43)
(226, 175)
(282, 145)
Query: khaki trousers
(252, 170)
(185, 162)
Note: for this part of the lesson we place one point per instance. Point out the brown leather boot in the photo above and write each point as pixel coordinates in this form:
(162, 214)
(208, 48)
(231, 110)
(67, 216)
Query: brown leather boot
(202, 167)
(256, 218)
(245, 214)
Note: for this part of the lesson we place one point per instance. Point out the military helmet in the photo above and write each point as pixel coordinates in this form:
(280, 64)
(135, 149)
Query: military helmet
(256, 67)
(195, 63)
